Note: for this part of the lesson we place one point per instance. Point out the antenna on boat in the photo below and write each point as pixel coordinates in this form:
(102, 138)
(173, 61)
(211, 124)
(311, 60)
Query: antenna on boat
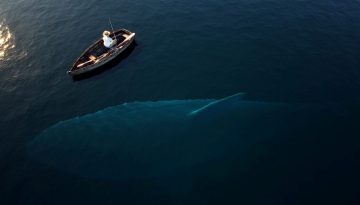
(112, 29)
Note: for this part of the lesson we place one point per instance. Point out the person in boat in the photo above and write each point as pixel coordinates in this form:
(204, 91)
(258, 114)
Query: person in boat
(108, 41)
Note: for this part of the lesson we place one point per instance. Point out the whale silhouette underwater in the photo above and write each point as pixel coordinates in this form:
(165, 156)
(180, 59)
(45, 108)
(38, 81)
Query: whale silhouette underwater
(147, 140)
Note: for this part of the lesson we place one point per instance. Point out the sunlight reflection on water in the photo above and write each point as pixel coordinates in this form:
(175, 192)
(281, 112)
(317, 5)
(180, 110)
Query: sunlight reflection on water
(7, 41)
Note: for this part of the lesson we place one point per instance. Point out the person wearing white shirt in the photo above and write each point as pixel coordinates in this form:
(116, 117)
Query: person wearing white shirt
(108, 41)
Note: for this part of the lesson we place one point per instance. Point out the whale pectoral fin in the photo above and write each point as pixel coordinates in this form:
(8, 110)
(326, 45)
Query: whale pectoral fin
(219, 106)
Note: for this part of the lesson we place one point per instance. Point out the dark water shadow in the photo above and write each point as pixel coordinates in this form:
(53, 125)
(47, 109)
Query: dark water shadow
(107, 66)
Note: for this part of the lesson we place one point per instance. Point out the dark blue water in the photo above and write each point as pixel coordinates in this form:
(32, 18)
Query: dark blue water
(275, 51)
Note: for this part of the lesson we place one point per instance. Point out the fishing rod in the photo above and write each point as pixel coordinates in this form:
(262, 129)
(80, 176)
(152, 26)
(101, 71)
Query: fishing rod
(112, 29)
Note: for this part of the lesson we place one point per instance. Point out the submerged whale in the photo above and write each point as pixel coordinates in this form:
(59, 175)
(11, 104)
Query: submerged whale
(154, 139)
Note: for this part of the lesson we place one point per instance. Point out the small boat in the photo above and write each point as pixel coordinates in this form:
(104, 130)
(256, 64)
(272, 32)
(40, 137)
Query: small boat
(97, 54)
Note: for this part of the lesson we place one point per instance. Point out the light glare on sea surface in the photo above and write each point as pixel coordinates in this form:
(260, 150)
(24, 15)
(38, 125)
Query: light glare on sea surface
(5, 40)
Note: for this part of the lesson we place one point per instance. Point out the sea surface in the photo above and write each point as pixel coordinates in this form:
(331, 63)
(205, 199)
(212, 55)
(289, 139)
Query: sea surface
(276, 51)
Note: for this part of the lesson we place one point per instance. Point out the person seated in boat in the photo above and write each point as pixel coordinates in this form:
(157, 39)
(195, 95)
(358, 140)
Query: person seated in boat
(108, 41)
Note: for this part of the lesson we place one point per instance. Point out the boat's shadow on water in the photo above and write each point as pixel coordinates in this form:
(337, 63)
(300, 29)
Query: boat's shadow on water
(107, 66)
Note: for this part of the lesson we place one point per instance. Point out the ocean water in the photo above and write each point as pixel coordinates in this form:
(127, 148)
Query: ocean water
(290, 52)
